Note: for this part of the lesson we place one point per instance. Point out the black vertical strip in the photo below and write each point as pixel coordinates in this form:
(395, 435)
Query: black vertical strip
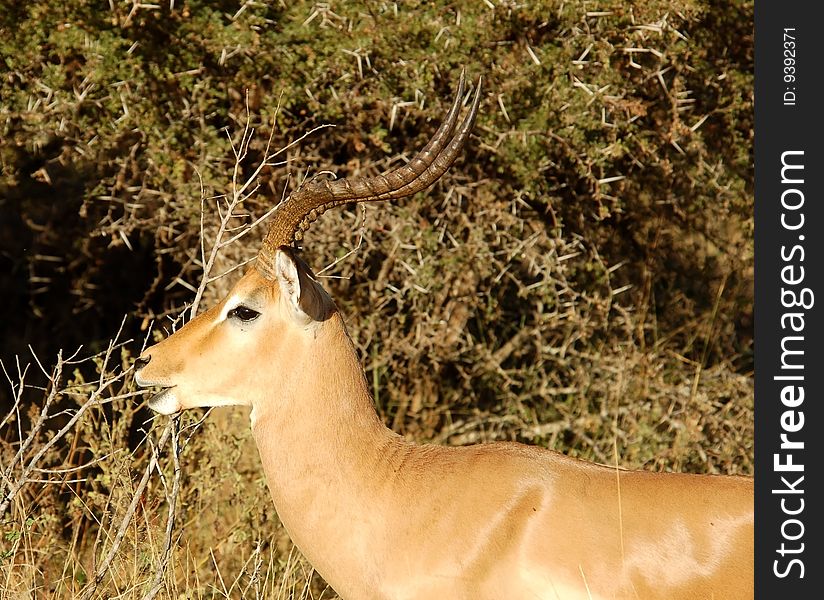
(789, 299)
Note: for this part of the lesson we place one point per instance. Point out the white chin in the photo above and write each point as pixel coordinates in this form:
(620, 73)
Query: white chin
(165, 402)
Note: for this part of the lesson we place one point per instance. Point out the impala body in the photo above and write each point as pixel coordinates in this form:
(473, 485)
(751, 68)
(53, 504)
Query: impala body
(380, 517)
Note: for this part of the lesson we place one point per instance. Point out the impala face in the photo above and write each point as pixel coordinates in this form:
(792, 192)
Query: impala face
(225, 355)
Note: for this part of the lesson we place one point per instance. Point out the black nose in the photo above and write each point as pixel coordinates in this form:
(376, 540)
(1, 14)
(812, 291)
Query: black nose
(141, 361)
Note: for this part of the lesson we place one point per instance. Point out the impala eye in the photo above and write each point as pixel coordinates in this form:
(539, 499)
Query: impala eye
(243, 313)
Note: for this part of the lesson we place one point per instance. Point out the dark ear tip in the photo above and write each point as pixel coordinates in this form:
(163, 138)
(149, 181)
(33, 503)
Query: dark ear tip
(289, 251)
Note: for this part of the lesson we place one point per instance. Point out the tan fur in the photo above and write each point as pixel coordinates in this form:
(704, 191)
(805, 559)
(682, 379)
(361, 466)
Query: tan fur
(380, 517)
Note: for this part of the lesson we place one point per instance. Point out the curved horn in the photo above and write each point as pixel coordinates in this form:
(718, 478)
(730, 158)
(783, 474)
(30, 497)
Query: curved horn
(312, 199)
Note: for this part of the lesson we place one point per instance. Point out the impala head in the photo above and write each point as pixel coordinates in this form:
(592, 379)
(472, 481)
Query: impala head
(224, 355)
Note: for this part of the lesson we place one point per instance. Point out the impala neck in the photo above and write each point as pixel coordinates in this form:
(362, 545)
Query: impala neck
(324, 453)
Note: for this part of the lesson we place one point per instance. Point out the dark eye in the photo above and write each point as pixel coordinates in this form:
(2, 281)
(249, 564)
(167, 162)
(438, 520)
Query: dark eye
(243, 313)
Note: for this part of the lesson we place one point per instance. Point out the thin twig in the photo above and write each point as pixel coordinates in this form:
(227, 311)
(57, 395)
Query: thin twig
(54, 386)
(17, 391)
(127, 519)
(94, 400)
(170, 519)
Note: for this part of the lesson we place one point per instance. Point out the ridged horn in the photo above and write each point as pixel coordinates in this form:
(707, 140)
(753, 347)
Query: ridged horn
(303, 206)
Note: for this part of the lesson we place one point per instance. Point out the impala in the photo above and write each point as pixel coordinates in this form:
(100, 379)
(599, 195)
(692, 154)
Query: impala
(381, 517)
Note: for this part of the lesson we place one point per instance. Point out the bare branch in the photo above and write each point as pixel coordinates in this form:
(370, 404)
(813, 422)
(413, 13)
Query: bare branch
(127, 519)
(171, 499)
(94, 400)
(16, 390)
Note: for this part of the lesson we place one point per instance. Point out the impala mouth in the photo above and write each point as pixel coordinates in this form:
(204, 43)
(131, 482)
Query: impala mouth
(164, 402)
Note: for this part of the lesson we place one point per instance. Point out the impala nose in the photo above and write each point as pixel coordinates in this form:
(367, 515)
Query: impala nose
(141, 361)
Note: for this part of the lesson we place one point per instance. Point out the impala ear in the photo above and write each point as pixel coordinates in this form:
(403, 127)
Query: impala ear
(307, 300)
